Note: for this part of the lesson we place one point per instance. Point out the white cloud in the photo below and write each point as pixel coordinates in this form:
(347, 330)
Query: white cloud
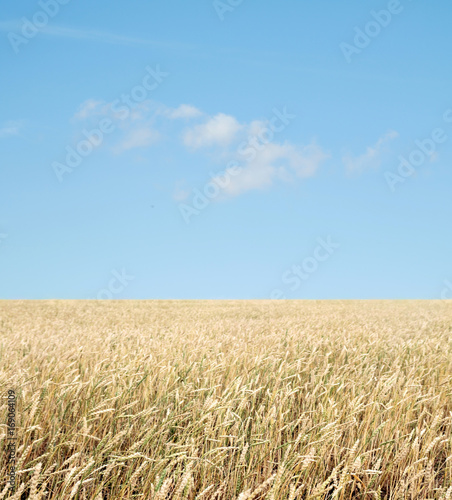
(256, 127)
(218, 130)
(145, 111)
(253, 145)
(254, 148)
(117, 111)
(303, 160)
(184, 111)
(276, 162)
(137, 138)
(88, 108)
(254, 176)
(372, 158)
(137, 128)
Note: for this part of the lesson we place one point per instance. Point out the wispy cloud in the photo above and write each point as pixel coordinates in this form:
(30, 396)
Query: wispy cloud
(253, 147)
(220, 130)
(372, 158)
(88, 108)
(275, 162)
(184, 111)
(92, 35)
(137, 138)
(10, 128)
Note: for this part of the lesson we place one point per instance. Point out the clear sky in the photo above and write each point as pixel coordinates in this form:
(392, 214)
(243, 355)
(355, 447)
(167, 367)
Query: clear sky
(236, 149)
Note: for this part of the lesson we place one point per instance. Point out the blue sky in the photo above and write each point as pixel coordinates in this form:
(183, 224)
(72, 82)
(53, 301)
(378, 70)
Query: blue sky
(247, 149)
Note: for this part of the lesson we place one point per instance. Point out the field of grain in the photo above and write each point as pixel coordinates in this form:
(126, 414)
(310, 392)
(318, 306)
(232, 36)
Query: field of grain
(228, 399)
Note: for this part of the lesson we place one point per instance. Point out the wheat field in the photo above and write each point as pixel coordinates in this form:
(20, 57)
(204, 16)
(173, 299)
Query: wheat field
(228, 399)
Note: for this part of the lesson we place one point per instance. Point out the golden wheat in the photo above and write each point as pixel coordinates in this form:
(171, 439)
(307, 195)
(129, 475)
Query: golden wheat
(229, 400)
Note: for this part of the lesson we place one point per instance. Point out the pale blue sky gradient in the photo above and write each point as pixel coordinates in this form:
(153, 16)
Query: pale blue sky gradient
(322, 175)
